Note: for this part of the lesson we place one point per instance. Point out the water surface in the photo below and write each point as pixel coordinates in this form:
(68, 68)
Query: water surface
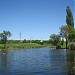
(37, 61)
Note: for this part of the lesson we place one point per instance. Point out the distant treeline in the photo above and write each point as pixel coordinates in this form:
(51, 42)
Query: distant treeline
(27, 41)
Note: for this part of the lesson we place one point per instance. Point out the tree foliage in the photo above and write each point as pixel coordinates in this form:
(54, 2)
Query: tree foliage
(69, 17)
(68, 31)
(55, 39)
(4, 36)
(64, 30)
(70, 24)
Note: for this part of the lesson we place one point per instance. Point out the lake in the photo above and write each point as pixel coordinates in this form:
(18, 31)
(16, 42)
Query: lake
(37, 61)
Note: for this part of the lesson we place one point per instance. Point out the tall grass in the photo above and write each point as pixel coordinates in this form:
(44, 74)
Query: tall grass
(25, 45)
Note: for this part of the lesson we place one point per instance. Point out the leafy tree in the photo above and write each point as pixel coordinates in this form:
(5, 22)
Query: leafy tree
(70, 23)
(68, 31)
(4, 36)
(24, 41)
(64, 30)
(55, 39)
(71, 36)
(62, 42)
(69, 17)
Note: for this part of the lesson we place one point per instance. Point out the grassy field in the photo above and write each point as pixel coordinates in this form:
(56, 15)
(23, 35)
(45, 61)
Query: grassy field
(23, 45)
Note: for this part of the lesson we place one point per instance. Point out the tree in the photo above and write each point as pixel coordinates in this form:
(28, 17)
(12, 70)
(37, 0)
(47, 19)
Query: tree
(62, 42)
(69, 17)
(64, 30)
(55, 39)
(4, 36)
(67, 31)
(24, 41)
(70, 23)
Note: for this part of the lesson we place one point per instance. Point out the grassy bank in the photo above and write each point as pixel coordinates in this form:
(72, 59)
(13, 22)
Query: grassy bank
(23, 45)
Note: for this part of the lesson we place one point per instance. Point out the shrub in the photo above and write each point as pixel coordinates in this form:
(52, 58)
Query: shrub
(58, 47)
(71, 46)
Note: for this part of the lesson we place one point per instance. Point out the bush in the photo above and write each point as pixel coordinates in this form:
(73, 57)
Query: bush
(72, 46)
(58, 47)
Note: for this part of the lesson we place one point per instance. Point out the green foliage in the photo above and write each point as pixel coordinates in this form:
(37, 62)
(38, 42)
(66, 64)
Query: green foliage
(64, 31)
(62, 42)
(71, 46)
(41, 42)
(68, 31)
(69, 17)
(55, 39)
(24, 45)
(24, 41)
(70, 24)
(1, 46)
(4, 36)
(13, 41)
(58, 47)
(71, 36)
(17, 44)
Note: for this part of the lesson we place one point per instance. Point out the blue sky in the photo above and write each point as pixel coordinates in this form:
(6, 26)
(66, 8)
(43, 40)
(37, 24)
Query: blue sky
(36, 19)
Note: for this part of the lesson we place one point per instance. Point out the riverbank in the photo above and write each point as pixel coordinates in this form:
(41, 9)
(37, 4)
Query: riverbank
(23, 46)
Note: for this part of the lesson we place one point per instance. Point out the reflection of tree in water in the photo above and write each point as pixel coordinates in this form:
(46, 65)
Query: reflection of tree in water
(4, 63)
(71, 62)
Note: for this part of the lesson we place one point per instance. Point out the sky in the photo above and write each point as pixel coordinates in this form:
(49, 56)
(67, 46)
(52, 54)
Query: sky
(35, 19)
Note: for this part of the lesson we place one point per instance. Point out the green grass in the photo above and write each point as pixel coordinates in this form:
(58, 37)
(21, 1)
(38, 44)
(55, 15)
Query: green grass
(23, 45)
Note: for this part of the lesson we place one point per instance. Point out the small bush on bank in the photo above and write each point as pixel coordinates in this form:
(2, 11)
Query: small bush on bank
(58, 46)
(71, 46)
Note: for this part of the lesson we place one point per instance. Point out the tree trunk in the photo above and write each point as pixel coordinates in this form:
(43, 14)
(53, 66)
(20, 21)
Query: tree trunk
(66, 43)
(5, 43)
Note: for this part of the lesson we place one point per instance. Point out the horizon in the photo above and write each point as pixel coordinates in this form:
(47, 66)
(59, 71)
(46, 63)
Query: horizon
(34, 19)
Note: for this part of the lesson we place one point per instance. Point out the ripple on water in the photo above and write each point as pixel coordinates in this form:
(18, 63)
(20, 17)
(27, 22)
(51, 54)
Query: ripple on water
(37, 61)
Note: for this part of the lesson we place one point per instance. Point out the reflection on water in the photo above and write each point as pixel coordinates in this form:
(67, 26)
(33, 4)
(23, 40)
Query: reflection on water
(3, 63)
(71, 62)
(38, 61)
